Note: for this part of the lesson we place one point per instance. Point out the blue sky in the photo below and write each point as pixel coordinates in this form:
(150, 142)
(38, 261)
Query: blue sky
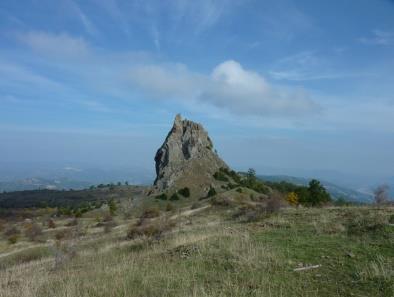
(287, 86)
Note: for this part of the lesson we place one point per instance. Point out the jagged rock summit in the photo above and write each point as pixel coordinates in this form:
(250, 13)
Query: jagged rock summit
(186, 158)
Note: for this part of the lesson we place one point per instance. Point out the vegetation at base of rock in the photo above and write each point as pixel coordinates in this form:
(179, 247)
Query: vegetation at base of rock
(174, 197)
(224, 174)
(211, 192)
(162, 196)
(220, 176)
(185, 192)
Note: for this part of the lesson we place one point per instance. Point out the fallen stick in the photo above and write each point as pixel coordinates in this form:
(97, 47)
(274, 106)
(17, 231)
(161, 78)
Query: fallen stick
(306, 268)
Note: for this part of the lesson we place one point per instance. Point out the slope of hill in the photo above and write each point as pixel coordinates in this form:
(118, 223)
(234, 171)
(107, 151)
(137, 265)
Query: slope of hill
(334, 190)
(216, 248)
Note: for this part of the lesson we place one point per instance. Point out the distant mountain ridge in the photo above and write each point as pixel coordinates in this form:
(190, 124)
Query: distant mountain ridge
(334, 190)
(42, 183)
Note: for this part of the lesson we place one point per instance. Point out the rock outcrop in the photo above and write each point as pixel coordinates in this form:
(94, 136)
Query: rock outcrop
(186, 158)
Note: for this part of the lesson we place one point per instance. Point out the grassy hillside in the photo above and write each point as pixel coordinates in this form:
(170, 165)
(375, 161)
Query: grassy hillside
(227, 245)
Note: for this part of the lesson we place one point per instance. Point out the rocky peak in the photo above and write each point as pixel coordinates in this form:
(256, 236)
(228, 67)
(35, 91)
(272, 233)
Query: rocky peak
(186, 156)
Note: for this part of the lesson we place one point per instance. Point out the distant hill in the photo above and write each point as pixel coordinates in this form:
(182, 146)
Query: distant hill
(70, 198)
(41, 183)
(334, 190)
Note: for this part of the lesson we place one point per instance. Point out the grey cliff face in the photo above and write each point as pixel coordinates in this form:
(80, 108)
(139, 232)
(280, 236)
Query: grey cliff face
(187, 151)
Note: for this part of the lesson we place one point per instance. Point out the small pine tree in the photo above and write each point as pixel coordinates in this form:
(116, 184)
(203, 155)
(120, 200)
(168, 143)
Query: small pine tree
(112, 207)
(317, 193)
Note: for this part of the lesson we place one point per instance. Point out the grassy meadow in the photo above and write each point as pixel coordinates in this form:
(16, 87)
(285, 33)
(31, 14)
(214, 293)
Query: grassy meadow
(204, 249)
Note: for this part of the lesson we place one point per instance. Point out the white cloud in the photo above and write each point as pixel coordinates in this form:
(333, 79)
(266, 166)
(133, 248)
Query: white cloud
(55, 44)
(19, 76)
(308, 66)
(170, 81)
(230, 87)
(378, 37)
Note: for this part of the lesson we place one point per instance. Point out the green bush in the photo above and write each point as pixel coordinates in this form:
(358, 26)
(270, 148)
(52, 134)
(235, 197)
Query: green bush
(174, 197)
(162, 196)
(224, 173)
(220, 176)
(211, 192)
(33, 231)
(12, 239)
(185, 192)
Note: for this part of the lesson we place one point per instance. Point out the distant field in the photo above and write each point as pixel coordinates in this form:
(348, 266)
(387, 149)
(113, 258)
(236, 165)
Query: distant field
(208, 249)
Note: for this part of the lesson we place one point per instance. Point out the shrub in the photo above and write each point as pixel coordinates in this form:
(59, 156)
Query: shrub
(174, 197)
(317, 194)
(112, 207)
(62, 234)
(221, 201)
(381, 194)
(33, 231)
(150, 212)
(108, 226)
(292, 198)
(239, 190)
(185, 192)
(274, 203)
(211, 192)
(73, 222)
(169, 207)
(78, 213)
(13, 230)
(51, 224)
(152, 230)
(2, 225)
(108, 218)
(220, 176)
(250, 213)
(12, 234)
(162, 196)
(391, 219)
(12, 239)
